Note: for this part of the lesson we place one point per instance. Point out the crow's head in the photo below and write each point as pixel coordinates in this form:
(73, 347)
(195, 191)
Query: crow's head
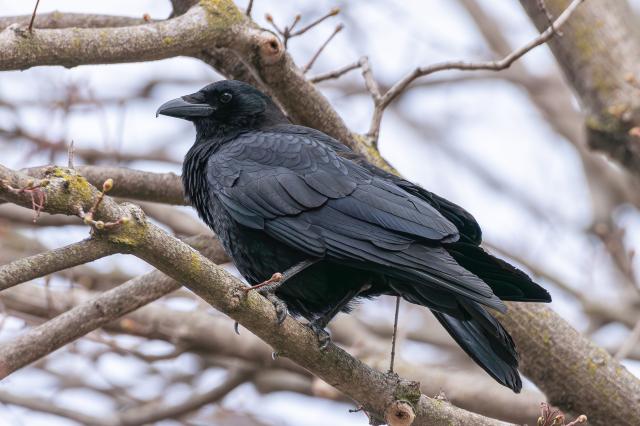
(225, 105)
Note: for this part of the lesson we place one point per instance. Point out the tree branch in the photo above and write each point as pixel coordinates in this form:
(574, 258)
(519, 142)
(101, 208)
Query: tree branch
(381, 101)
(597, 54)
(376, 391)
(39, 265)
(58, 19)
(44, 406)
(129, 183)
(101, 310)
(562, 361)
(177, 260)
(76, 46)
(212, 336)
(154, 412)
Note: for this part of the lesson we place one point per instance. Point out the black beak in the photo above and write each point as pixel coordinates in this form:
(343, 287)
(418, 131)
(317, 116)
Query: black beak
(182, 108)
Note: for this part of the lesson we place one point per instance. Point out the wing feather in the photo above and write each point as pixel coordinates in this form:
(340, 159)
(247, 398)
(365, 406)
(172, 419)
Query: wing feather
(299, 191)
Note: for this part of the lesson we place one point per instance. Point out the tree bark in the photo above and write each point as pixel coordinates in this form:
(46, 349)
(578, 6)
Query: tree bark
(598, 53)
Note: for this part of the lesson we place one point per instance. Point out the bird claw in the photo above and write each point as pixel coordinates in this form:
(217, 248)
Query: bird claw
(323, 335)
(279, 305)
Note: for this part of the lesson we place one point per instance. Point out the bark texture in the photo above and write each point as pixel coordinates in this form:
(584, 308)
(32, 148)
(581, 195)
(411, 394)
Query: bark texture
(598, 54)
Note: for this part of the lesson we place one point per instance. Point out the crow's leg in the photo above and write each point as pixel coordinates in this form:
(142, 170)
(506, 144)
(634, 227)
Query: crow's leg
(268, 288)
(319, 324)
(393, 338)
(278, 279)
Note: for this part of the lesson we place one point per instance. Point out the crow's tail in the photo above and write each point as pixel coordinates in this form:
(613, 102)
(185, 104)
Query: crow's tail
(485, 340)
(506, 281)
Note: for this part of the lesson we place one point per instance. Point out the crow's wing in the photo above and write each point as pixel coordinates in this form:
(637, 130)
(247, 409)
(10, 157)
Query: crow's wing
(261, 176)
(467, 225)
(299, 191)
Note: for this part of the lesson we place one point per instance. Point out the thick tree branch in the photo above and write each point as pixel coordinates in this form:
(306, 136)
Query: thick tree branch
(154, 250)
(129, 183)
(598, 53)
(608, 393)
(214, 336)
(76, 46)
(58, 19)
(376, 391)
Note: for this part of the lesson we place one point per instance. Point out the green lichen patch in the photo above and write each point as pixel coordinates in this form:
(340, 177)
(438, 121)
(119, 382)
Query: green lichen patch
(408, 392)
(75, 190)
(222, 14)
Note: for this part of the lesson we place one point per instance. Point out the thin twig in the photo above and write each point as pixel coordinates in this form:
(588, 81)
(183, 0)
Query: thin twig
(395, 334)
(403, 83)
(249, 7)
(71, 155)
(332, 12)
(548, 15)
(287, 33)
(335, 73)
(307, 67)
(33, 16)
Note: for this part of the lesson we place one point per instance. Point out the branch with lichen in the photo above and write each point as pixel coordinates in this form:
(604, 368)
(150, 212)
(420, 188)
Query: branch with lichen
(538, 355)
(598, 54)
(383, 396)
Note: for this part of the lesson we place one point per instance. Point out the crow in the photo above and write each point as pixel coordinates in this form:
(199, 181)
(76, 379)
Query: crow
(318, 227)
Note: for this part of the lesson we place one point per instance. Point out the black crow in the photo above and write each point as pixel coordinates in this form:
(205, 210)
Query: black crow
(301, 212)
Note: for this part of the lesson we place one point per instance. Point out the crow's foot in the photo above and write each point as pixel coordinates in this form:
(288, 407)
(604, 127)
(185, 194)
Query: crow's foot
(279, 305)
(323, 336)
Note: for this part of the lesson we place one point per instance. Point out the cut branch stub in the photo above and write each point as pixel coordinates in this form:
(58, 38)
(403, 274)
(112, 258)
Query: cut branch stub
(399, 413)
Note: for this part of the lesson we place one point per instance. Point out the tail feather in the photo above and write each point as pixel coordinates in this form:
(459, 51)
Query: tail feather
(485, 340)
(507, 282)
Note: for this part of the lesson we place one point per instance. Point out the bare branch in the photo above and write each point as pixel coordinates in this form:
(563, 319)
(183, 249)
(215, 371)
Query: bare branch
(384, 100)
(333, 12)
(210, 24)
(129, 183)
(33, 16)
(90, 155)
(334, 74)
(224, 292)
(154, 412)
(313, 59)
(28, 268)
(68, 20)
(44, 406)
(249, 7)
(86, 317)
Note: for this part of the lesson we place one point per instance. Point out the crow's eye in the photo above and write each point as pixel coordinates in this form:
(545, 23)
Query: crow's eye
(225, 98)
